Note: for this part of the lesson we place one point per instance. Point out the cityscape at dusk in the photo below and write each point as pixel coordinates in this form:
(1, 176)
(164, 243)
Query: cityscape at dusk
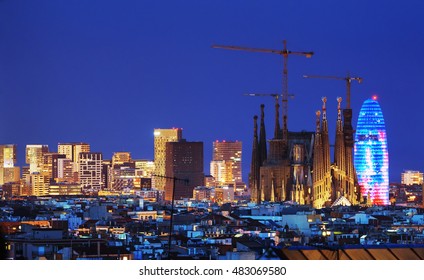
(108, 73)
(172, 130)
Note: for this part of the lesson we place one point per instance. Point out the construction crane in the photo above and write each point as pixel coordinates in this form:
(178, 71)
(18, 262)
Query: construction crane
(347, 113)
(285, 53)
(275, 95)
(348, 80)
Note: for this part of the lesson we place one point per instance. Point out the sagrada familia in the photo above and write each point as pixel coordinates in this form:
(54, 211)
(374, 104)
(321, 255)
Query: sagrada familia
(297, 166)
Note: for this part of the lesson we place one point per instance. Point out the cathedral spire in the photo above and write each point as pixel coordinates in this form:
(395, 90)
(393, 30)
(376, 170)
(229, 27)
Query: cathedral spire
(340, 181)
(318, 122)
(339, 115)
(254, 165)
(324, 115)
(262, 138)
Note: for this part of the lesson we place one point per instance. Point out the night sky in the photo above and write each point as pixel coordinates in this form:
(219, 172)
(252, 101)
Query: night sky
(109, 72)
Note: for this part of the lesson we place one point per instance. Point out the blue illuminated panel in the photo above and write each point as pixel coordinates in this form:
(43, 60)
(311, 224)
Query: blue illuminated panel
(371, 156)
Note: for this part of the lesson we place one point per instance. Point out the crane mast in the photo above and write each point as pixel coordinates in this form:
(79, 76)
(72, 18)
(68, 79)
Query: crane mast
(347, 113)
(285, 53)
(348, 79)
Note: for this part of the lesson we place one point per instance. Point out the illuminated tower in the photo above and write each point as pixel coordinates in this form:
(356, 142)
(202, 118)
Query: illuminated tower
(322, 183)
(226, 162)
(34, 157)
(371, 156)
(7, 155)
(162, 136)
(8, 171)
(50, 166)
(339, 157)
(72, 151)
(90, 173)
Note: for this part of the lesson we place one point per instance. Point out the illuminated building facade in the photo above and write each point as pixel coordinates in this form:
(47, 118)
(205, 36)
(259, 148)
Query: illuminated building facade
(224, 194)
(202, 193)
(8, 171)
(72, 151)
(90, 172)
(9, 174)
(334, 182)
(7, 155)
(65, 171)
(12, 189)
(34, 157)
(411, 177)
(65, 189)
(145, 168)
(226, 162)
(162, 136)
(39, 184)
(120, 158)
(371, 156)
(298, 167)
(282, 172)
(50, 165)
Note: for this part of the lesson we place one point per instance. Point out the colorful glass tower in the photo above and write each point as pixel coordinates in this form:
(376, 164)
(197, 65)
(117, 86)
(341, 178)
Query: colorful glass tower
(371, 156)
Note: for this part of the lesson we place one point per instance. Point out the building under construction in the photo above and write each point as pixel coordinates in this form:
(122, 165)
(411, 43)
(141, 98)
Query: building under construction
(296, 166)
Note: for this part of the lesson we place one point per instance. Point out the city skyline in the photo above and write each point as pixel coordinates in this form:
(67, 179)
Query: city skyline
(108, 74)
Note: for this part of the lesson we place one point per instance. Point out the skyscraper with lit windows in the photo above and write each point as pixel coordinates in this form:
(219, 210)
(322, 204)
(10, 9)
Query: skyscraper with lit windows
(90, 173)
(8, 171)
(162, 136)
(7, 155)
(72, 151)
(226, 162)
(34, 157)
(371, 156)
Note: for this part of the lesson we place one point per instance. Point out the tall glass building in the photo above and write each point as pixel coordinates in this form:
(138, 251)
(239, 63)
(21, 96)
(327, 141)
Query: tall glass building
(371, 156)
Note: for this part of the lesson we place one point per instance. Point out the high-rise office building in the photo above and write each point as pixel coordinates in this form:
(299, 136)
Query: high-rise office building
(371, 156)
(184, 162)
(50, 165)
(72, 151)
(221, 171)
(162, 136)
(65, 171)
(39, 184)
(226, 162)
(7, 155)
(90, 172)
(412, 177)
(34, 157)
(8, 172)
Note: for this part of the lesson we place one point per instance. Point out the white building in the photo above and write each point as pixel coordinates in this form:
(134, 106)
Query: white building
(411, 177)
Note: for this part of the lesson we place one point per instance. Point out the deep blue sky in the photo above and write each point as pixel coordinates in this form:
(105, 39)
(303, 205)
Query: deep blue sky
(109, 72)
